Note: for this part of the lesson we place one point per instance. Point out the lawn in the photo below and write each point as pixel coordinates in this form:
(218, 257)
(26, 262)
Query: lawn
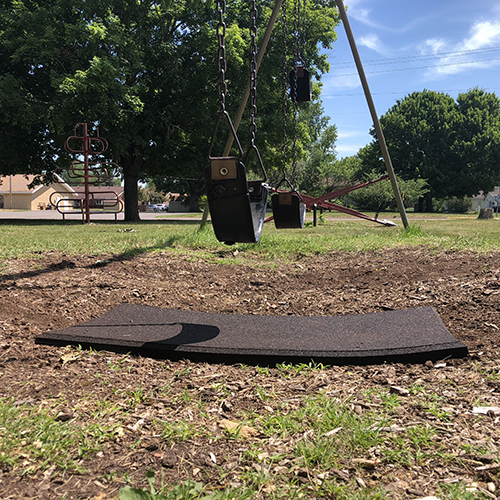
(20, 239)
(86, 424)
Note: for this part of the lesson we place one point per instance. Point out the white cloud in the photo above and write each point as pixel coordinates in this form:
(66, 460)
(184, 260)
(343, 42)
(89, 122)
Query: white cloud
(372, 41)
(348, 135)
(361, 15)
(483, 34)
(354, 6)
(335, 83)
(357, 10)
(349, 149)
(434, 44)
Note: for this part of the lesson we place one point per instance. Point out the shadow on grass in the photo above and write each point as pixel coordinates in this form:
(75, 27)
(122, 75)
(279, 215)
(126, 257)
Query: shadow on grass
(68, 263)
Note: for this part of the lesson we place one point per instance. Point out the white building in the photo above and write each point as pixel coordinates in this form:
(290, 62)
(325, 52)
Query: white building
(489, 200)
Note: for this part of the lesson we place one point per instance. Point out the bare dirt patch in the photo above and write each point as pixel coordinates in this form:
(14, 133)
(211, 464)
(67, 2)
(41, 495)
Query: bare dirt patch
(141, 400)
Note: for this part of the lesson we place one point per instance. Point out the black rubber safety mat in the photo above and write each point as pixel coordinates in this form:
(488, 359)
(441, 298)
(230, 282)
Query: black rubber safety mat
(408, 335)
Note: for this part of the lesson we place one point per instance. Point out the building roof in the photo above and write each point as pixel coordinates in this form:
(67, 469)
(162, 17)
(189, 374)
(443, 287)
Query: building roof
(16, 184)
(494, 194)
(19, 184)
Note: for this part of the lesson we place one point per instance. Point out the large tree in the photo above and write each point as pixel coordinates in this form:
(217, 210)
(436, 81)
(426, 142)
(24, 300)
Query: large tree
(477, 148)
(453, 145)
(144, 71)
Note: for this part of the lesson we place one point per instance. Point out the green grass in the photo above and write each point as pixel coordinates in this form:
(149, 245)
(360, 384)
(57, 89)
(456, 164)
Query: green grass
(186, 490)
(318, 433)
(322, 434)
(32, 439)
(308, 438)
(177, 432)
(23, 239)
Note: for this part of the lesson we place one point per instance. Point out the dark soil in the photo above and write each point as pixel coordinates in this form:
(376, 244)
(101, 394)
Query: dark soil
(56, 291)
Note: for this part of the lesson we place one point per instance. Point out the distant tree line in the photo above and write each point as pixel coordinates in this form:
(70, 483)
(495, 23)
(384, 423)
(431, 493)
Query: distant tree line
(454, 146)
(443, 151)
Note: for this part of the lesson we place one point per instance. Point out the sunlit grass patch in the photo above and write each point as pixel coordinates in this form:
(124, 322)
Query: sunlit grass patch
(330, 429)
(181, 430)
(23, 240)
(32, 438)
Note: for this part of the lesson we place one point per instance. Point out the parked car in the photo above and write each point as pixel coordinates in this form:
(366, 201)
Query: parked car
(153, 208)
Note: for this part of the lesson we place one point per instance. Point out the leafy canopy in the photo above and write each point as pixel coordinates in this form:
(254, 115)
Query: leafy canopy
(453, 145)
(145, 72)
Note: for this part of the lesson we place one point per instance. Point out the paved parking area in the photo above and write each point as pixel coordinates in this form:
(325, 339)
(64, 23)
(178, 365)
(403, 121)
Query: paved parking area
(55, 215)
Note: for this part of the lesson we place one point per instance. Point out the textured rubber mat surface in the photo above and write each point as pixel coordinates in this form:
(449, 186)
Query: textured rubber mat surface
(407, 335)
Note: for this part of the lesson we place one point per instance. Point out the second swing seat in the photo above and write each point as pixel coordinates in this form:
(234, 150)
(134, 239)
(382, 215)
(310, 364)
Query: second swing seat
(288, 210)
(300, 85)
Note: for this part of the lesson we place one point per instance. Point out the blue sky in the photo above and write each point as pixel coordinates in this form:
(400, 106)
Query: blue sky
(446, 46)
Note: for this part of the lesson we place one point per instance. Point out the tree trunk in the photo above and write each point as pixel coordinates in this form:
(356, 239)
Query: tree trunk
(421, 204)
(425, 204)
(428, 204)
(131, 169)
(485, 213)
(196, 189)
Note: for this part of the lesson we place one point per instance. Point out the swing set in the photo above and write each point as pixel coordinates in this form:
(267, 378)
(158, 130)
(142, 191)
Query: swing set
(238, 209)
(238, 205)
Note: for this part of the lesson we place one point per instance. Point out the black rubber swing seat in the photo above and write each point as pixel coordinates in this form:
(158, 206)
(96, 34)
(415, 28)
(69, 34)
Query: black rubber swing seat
(412, 335)
(300, 85)
(237, 206)
(288, 210)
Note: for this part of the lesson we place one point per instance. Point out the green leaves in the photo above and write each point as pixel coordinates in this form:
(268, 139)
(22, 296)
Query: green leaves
(129, 493)
(146, 72)
(380, 196)
(455, 146)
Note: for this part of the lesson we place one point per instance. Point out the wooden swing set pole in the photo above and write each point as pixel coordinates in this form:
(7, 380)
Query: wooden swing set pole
(376, 121)
(246, 95)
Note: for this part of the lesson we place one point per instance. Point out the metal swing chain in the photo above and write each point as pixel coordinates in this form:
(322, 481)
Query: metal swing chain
(296, 14)
(221, 54)
(302, 33)
(222, 85)
(253, 72)
(285, 86)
